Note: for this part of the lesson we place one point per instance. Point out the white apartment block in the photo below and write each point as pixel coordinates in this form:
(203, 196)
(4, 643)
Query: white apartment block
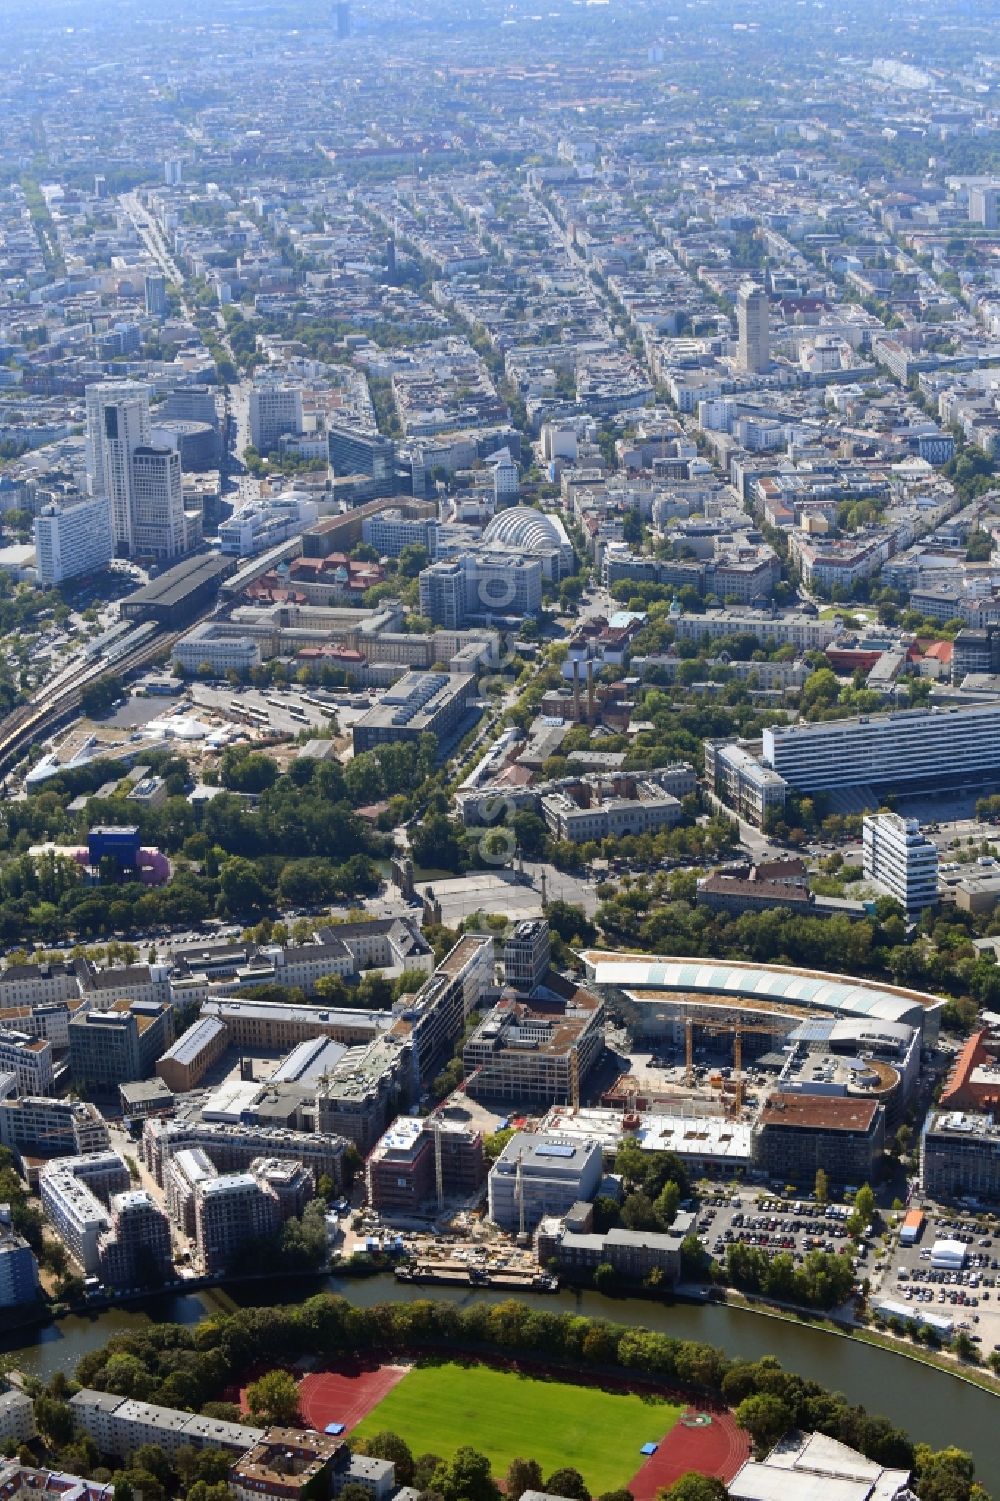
(901, 860)
(120, 1424)
(803, 631)
(912, 746)
(37, 984)
(274, 410)
(72, 539)
(75, 1213)
(17, 1417)
(29, 1059)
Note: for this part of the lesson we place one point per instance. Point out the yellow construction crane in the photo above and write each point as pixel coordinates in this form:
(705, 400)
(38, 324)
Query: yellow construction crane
(739, 1026)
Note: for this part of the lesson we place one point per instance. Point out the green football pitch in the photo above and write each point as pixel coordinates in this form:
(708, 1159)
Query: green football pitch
(437, 1408)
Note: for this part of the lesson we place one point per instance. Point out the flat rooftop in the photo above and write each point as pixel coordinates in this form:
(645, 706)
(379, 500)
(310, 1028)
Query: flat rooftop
(819, 1112)
(176, 583)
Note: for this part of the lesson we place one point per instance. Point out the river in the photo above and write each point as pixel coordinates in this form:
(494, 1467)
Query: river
(931, 1405)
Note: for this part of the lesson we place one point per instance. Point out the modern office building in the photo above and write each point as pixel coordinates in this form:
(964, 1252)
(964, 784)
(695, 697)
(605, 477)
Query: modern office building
(752, 320)
(361, 1091)
(901, 860)
(506, 479)
(984, 205)
(36, 1127)
(536, 1176)
(190, 403)
(800, 1133)
(157, 503)
(118, 423)
(18, 1267)
(959, 746)
(443, 593)
(261, 524)
(108, 1048)
(392, 530)
(275, 409)
(960, 1156)
(491, 583)
(527, 950)
(72, 538)
(419, 703)
(354, 451)
(975, 651)
(539, 1050)
(156, 294)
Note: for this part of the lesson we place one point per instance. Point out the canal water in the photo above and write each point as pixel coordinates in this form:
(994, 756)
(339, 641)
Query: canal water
(933, 1406)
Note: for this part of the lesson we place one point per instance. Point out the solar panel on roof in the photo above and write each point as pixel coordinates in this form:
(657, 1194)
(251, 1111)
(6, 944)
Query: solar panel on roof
(555, 1151)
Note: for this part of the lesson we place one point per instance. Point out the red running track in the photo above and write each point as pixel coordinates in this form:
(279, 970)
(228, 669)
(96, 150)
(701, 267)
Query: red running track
(348, 1394)
(718, 1449)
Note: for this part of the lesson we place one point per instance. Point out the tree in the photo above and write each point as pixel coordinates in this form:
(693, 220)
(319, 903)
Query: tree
(864, 1204)
(436, 844)
(275, 1398)
(390, 1446)
(695, 1487)
(424, 1467)
(241, 887)
(605, 1277)
(494, 1144)
(944, 1475)
(822, 1189)
(568, 1482)
(522, 1475)
(466, 1477)
(54, 1419)
(638, 1213)
(765, 1417)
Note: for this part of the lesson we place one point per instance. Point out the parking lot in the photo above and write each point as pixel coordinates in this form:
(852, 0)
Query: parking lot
(968, 1295)
(775, 1225)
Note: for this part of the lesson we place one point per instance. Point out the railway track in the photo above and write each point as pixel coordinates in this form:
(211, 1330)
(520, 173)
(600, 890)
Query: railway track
(37, 720)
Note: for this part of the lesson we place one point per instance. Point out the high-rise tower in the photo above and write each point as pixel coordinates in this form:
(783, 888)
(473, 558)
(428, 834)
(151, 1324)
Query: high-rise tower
(752, 311)
(117, 424)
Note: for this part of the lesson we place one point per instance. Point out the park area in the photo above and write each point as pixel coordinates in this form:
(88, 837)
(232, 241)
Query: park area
(504, 1415)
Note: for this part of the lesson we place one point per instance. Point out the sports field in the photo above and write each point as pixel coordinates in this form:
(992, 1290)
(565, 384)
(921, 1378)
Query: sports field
(437, 1408)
